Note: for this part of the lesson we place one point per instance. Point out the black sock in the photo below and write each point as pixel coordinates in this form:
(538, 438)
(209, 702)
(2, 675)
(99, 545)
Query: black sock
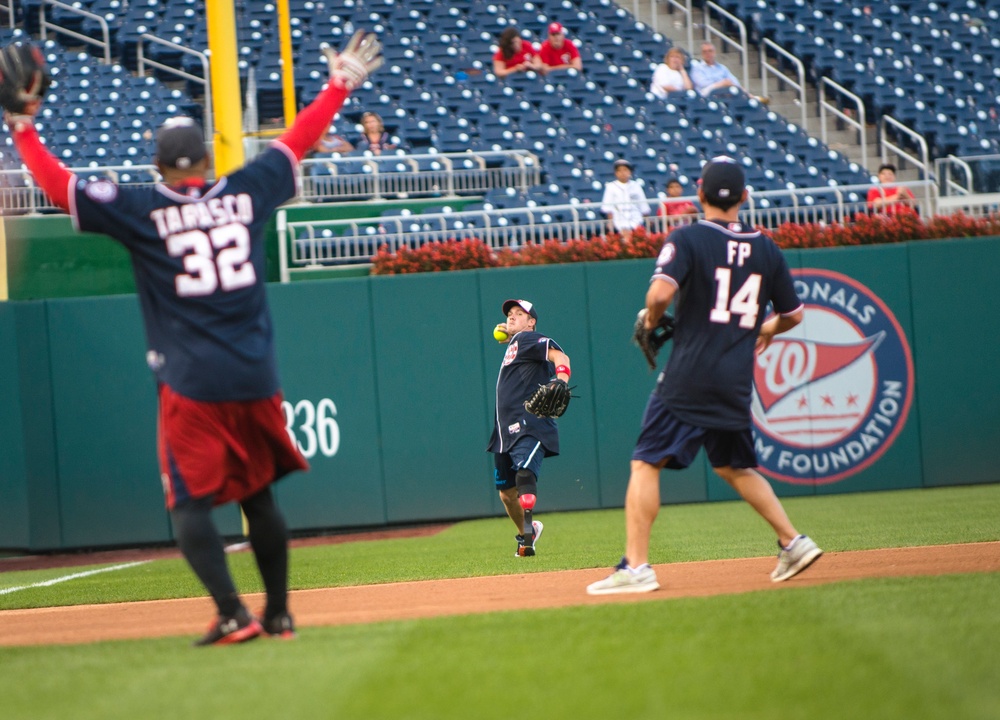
(201, 544)
(269, 540)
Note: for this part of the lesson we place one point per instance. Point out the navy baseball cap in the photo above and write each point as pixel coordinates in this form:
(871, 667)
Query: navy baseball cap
(722, 180)
(523, 304)
(622, 163)
(180, 143)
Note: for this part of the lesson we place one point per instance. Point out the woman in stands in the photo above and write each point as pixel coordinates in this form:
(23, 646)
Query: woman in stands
(670, 75)
(514, 55)
(373, 135)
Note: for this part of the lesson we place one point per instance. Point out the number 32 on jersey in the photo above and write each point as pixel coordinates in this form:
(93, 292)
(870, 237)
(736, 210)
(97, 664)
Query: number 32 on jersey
(206, 270)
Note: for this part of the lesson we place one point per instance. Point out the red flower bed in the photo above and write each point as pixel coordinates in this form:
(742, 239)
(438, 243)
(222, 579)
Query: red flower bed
(864, 230)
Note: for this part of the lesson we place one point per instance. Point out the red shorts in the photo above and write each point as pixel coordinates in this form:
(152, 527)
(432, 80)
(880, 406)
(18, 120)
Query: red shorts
(229, 450)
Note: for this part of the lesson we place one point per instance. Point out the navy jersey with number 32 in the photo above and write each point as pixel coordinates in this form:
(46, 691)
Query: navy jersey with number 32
(726, 275)
(198, 258)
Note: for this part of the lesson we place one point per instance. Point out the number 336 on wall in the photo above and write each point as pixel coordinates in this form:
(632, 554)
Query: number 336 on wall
(313, 427)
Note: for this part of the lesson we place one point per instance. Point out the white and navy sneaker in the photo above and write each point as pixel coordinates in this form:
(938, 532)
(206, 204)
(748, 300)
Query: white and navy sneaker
(800, 554)
(626, 579)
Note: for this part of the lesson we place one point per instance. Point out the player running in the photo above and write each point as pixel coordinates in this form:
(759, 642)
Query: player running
(725, 275)
(524, 429)
(197, 250)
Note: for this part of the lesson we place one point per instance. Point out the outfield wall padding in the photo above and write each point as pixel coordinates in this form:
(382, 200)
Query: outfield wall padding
(390, 382)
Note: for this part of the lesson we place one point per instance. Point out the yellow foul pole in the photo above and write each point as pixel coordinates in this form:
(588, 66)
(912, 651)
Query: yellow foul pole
(287, 65)
(226, 105)
(225, 79)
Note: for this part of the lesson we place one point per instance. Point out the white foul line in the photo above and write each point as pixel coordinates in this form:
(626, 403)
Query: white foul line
(74, 576)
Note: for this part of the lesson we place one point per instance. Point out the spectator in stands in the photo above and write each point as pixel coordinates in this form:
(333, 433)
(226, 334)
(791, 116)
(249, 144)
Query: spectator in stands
(374, 138)
(887, 198)
(332, 142)
(514, 55)
(670, 75)
(558, 53)
(624, 201)
(709, 75)
(673, 207)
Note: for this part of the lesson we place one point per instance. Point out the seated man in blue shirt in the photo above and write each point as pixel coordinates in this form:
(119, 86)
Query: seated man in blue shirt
(708, 75)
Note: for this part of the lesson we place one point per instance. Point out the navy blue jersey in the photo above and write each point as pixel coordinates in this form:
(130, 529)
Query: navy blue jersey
(198, 258)
(726, 276)
(525, 366)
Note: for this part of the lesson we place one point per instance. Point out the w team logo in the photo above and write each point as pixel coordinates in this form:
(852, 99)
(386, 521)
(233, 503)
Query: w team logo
(831, 395)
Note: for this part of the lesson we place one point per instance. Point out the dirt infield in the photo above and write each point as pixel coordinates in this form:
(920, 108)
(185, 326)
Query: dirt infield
(425, 599)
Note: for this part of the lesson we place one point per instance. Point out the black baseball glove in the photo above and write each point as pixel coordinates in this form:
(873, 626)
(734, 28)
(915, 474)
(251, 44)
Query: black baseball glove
(23, 78)
(549, 400)
(650, 341)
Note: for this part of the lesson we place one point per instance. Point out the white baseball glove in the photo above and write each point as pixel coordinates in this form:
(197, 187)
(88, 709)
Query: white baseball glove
(361, 57)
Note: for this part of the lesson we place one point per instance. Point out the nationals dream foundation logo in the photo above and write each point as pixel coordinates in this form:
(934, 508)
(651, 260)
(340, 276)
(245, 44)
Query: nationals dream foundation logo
(831, 395)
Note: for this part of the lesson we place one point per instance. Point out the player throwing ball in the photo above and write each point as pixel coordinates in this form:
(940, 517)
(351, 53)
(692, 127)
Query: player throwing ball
(197, 249)
(531, 392)
(725, 275)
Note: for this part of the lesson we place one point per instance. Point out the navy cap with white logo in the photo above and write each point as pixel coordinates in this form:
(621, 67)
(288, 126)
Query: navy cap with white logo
(180, 143)
(722, 180)
(523, 304)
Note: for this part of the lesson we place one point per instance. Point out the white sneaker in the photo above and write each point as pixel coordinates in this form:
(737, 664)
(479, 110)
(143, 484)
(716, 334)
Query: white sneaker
(626, 579)
(537, 524)
(800, 554)
(524, 550)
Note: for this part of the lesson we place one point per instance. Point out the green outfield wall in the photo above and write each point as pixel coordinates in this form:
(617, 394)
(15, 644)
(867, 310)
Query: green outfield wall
(389, 384)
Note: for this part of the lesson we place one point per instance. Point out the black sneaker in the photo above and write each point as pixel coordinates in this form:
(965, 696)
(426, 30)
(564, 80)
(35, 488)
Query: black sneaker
(228, 630)
(280, 626)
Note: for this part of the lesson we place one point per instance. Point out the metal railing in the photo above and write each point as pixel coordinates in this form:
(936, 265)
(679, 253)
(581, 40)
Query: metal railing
(19, 195)
(827, 108)
(8, 7)
(683, 7)
(944, 169)
(424, 175)
(397, 176)
(979, 205)
(798, 83)
(142, 61)
(312, 245)
(45, 25)
(922, 162)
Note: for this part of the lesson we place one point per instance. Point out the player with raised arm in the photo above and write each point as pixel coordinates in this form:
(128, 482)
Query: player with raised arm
(531, 392)
(724, 276)
(197, 250)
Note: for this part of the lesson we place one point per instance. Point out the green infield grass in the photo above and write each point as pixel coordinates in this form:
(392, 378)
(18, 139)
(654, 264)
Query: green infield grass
(888, 648)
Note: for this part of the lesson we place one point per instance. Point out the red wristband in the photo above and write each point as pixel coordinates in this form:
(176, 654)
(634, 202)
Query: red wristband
(563, 369)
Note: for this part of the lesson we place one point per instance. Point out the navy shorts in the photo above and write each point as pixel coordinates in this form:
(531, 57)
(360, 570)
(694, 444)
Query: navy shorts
(664, 436)
(526, 453)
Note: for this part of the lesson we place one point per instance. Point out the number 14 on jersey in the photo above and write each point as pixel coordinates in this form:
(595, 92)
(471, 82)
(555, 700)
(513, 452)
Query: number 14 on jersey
(744, 302)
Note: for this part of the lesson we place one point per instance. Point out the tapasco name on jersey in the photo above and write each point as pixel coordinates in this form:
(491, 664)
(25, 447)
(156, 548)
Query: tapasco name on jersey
(213, 212)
